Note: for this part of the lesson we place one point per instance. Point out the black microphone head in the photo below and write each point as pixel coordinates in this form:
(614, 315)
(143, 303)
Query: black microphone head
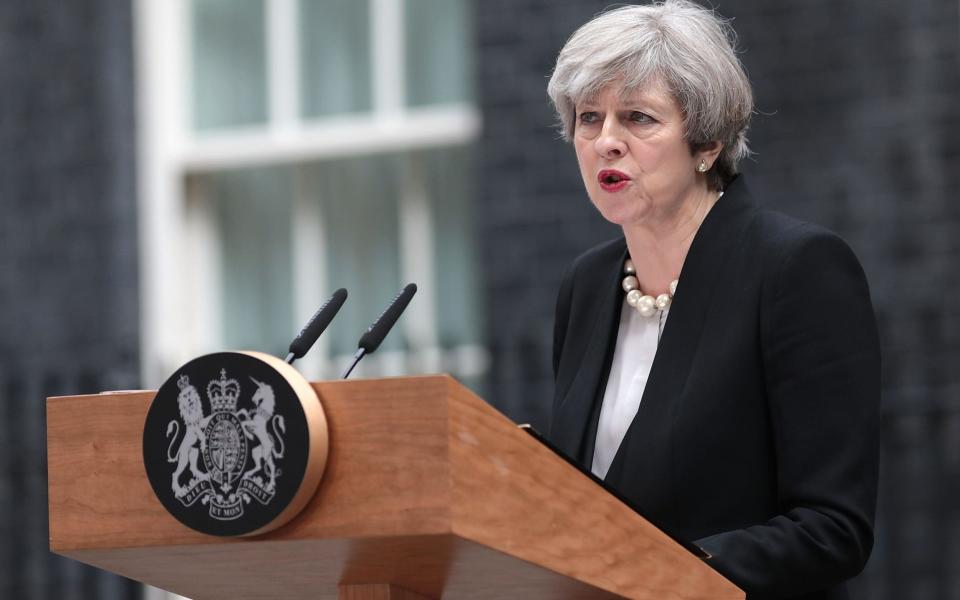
(312, 330)
(371, 339)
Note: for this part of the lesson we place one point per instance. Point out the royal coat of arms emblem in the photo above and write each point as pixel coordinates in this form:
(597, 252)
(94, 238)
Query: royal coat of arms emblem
(234, 443)
(239, 446)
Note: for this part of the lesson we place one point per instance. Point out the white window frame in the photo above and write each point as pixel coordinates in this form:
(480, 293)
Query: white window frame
(177, 233)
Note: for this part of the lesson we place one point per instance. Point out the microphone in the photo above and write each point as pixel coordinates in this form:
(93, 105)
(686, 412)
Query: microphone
(370, 340)
(312, 330)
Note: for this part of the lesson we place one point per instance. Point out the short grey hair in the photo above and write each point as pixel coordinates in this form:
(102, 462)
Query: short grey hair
(689, 47)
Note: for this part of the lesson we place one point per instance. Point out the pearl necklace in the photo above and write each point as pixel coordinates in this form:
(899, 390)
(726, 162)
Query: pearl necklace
(645, 304)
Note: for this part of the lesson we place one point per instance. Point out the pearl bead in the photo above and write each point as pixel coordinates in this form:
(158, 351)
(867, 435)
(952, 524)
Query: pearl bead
(663, 301)
(630, 283)
(633, 296)
(628, 267)
(673, 287)
(647, 306)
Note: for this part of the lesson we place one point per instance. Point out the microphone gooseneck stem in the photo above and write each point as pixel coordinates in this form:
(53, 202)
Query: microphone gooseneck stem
(356, 359)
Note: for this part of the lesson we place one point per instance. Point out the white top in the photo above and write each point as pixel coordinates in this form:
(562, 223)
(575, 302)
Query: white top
(637, 340)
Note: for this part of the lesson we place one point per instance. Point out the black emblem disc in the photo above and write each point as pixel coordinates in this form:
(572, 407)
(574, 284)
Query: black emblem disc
(234, 443)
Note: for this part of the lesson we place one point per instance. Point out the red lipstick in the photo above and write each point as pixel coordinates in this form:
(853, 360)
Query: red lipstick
(612, 180)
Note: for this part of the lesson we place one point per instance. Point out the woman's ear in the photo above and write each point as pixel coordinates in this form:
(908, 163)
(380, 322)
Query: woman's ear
(708, 153)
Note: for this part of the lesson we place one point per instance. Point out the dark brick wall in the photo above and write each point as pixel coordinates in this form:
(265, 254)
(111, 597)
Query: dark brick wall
(67, 258)
(860, 131)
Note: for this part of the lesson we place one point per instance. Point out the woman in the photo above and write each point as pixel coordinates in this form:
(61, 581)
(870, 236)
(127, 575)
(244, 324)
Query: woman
(719, 364)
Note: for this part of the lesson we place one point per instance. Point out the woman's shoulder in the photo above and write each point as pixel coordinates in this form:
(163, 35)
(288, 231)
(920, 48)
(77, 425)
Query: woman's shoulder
(784, 239)
(778, 236)
(794, 253)
(778, 248)
(771, 229)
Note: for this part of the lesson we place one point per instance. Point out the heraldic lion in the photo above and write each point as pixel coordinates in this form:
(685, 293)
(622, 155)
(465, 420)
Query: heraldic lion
(191, 411)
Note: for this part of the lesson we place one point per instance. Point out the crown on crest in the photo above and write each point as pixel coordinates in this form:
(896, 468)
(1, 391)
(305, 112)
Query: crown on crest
(223, 393)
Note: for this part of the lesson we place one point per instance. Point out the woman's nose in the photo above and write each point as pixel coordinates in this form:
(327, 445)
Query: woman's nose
(610, 143)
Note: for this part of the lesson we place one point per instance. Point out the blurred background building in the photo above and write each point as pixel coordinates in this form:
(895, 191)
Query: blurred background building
(182, 176)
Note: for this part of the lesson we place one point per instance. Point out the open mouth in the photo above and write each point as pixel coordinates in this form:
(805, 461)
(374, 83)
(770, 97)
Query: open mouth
(612, 179)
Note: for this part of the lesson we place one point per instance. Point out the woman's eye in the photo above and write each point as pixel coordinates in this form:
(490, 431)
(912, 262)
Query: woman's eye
(588, 117)
(639, 117)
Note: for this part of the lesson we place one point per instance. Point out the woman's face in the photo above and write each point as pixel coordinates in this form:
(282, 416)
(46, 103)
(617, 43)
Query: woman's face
(637, 167)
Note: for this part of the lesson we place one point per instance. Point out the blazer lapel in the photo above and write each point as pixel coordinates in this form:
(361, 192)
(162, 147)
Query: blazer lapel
(647, 437)
(574, 414)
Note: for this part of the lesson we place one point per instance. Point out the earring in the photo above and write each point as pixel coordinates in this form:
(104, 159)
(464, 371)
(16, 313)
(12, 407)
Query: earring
(702, 167)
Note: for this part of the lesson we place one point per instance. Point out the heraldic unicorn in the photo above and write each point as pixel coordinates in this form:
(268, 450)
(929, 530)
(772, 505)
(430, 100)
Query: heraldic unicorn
(239, 447)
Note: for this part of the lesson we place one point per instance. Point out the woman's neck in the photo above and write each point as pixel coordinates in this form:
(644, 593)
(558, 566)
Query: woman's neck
(659, 246)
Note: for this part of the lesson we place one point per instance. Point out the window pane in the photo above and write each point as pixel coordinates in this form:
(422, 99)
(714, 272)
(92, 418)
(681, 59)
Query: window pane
(359, 200)
(229, 63)
(458, 307)
(438, 42)
(253, 210)
(335, 56)
(359, 205)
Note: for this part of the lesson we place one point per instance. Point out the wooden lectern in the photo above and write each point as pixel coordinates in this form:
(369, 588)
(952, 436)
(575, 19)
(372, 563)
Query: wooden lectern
(428, 493)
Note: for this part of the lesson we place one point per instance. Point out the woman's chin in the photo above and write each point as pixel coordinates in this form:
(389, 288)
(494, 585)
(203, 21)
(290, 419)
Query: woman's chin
(620, 215)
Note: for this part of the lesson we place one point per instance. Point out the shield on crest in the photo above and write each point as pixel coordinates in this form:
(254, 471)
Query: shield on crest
(226, 448)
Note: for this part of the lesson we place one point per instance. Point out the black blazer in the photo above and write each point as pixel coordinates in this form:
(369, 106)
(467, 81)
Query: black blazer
(757, 434)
